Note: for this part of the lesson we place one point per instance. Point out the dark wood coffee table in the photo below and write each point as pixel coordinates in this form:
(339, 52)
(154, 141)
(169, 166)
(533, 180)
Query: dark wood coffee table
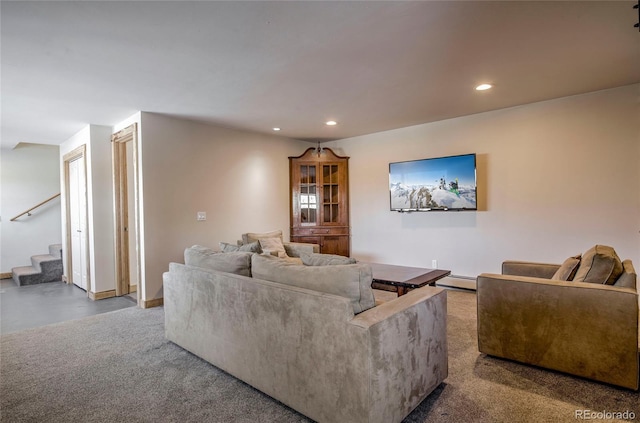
(402, 278)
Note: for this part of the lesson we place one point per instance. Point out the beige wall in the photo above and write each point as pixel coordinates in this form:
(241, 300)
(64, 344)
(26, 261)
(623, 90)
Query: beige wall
(29, 175)
(554, 178)
(240, 179)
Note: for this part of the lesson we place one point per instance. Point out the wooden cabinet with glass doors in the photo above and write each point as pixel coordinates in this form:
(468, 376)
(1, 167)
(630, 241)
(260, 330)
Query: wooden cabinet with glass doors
(320, 200)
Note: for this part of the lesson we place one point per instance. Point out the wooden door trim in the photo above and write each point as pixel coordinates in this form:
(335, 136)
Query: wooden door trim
(78, 153)
(121, 209)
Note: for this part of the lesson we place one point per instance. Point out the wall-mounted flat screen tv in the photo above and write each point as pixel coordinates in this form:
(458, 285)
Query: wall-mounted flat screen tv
(442, 183)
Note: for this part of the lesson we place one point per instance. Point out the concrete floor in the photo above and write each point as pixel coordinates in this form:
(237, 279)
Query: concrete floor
(30, 306)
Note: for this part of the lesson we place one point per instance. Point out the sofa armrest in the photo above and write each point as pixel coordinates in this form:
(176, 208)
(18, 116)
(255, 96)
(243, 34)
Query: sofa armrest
(584, 329)
(294, 249)
(528, 268)
(407, 364)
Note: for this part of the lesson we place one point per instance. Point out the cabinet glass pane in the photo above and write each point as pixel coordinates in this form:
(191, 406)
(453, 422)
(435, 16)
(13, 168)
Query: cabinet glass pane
(312, 174)
(330, 212)
(311, 219)
(330, 193)
(307, 174)
(308, 195)
(334, 174)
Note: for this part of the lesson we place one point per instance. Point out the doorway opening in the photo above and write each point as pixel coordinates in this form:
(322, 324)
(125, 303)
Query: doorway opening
(124, 147)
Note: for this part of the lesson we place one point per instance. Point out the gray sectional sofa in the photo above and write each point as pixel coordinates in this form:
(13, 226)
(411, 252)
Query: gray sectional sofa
(311, 336)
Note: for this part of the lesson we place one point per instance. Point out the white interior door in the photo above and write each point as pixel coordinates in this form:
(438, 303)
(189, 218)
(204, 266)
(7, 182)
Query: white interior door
(78, 220)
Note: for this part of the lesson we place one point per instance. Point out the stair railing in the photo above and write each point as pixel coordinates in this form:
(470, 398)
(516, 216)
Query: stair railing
(28, 212)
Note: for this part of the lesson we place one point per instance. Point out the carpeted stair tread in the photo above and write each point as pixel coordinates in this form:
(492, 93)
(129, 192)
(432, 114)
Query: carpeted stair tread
(25, 270)
(44, 268)
(37, 261)
(26, 275)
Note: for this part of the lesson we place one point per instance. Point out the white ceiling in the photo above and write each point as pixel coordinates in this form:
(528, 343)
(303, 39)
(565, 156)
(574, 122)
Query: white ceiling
(372, 66)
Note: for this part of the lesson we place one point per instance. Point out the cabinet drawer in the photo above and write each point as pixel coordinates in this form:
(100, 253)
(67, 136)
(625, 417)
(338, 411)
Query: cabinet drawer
(320, 231)
(307, 239)
(329, 244)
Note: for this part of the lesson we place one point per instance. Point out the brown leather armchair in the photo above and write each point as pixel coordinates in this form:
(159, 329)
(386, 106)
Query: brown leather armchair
(584, 329)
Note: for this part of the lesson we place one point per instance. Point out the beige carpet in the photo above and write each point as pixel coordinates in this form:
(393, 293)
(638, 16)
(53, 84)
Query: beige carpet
(117, 367)
(486, 389)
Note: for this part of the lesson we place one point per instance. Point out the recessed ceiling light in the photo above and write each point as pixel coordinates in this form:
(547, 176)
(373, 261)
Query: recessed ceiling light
(276, 129)
(483, 87)
(331, 123)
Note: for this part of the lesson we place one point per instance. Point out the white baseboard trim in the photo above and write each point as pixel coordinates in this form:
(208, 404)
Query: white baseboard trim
(455, 281)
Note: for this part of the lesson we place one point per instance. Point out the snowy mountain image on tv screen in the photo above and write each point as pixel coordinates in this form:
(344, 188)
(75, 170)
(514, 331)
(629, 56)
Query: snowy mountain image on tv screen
(440, 183)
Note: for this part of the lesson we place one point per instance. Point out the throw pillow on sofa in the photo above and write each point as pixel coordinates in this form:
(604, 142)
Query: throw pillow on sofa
(273, 246)
(568, 269)
(350, 281)
(252, 247)
(257, 236)
(599, 264)
(318, 259)
(628, 277)
(238, 262)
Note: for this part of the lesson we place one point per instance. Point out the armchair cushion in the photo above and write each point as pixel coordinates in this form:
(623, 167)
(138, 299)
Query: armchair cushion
(599, 264)
(568, 269)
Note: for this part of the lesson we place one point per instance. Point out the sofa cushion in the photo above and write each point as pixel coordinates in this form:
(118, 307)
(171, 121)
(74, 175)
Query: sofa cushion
(568, 269)
(629, 276)
(256, 236)
(317, 259)
(599, 264)
(273, 246)
(252, 247)
(352, 281)
(238, 262)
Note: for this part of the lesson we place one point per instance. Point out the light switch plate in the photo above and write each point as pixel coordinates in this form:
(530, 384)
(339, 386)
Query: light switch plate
(202, 216)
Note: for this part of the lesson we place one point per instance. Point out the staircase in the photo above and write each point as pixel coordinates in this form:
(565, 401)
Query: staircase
(44, 268)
